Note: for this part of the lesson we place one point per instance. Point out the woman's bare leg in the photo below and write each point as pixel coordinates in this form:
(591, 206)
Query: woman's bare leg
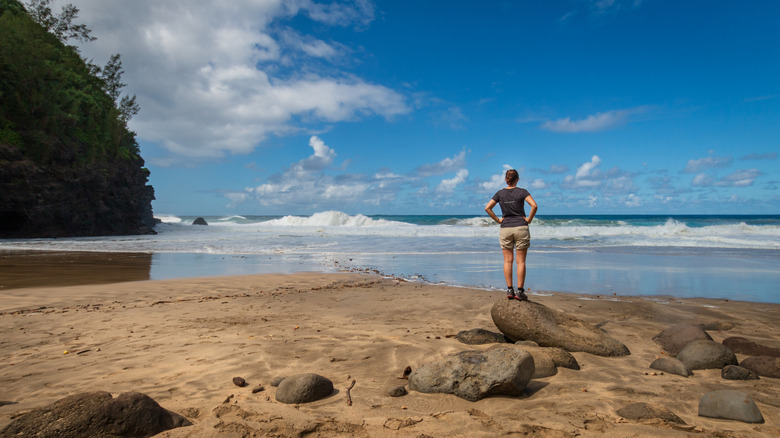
(509, 259)
(521, 254)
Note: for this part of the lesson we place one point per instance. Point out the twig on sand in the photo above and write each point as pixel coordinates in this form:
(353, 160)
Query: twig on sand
(349, 396)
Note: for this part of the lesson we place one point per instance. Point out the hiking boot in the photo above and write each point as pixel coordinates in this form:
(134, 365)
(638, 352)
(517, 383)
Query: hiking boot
(510, 293)
(520, 295)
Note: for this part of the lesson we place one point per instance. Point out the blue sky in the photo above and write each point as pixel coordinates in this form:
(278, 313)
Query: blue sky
(418, 107)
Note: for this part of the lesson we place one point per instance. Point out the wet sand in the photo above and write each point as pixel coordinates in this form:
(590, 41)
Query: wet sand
(182, 341)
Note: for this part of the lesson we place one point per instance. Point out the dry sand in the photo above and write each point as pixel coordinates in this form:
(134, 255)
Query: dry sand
(182, 341)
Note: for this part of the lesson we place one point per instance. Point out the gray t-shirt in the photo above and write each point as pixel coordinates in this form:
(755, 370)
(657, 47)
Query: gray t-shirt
(512, 202)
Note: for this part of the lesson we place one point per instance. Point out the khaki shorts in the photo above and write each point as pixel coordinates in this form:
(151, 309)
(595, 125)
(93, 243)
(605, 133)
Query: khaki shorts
(511, 237)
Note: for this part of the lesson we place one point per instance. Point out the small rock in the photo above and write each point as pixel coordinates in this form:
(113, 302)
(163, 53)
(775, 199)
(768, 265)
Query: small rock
(257, 389)
(735, 372)
(397, 391)
(276, 381)
(730, 405)
(303, 388)
(239, 381)
(672, 366)
(199, 221)
(648, 411)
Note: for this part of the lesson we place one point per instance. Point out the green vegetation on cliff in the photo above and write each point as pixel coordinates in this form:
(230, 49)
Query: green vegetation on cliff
(63, 126)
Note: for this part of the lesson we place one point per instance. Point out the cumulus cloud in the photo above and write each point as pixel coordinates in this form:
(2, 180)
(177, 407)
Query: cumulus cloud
(449, 185)
(496, 181)
(702, 180)
(224, 73)
(702, 164)
(587, 176)
(594, 122)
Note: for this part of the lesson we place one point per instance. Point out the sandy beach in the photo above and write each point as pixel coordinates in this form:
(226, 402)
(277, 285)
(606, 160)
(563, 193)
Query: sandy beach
(182, 342)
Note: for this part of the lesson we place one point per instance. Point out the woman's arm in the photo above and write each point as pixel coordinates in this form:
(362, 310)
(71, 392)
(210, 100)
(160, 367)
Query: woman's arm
(489, 210)
(530, 200)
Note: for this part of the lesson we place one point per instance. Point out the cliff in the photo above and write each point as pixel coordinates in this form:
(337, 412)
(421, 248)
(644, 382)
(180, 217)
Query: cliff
(68, 164)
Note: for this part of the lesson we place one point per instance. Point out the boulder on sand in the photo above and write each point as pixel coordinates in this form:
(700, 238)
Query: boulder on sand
(473, 375)
(671, 366)
(96, 413)
(649, 411)
(548, 359)
(675, 338)
(745, 346)
(480, 336)
(766, 366)
(706, 355)
(527, 320)
(303, 388)
(730, 405)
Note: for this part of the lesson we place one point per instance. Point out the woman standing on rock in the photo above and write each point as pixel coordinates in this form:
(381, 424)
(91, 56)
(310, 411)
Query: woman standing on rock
(514, 235)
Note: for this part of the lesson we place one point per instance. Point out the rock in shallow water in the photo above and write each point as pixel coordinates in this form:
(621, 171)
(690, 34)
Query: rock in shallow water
(527, 320)
(474, 375)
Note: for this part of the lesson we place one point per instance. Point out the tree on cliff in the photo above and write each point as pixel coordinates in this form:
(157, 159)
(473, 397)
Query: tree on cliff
(68, 163)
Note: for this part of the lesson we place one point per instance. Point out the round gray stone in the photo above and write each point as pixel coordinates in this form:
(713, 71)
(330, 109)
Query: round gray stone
(672, 366)
(397, 391)
(303, 388)
(675, 338)
(706, 355)
(728, 404)
(734, 372)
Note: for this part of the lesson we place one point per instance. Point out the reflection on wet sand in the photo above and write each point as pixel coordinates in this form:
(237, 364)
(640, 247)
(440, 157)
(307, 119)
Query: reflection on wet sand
(21, 269)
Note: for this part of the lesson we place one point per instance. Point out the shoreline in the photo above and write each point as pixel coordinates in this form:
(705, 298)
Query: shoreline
(182, 341)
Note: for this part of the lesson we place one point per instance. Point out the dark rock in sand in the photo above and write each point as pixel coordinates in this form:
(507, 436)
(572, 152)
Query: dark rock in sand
(717, 325)
(730, 405)
(397, 391)
(200, 221)
(239, 381)
(706, 355)
(276, 381)
(745, 346)
(649, 411)
(97, 414)
(548, 359)
(257, 389)
(765, 366)
(527, 320)
(303, 388)
(675, 338)
(735, 372)
(672, 366)
(474, 375)
(481, 336)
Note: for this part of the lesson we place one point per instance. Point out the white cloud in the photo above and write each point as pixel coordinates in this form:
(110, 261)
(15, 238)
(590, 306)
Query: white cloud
(496, 181)
(633, 200)
(449, 185)
(444, 166)
(702, 180)
(702, 164)
(740, 178)
(210, 76)
(587, 175)
(594, 122)
(538, 184)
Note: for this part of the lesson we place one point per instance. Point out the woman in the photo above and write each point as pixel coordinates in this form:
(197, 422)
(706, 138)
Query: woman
(514, 233)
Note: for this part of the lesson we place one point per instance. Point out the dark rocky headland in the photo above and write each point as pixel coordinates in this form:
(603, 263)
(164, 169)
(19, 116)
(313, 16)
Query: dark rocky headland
(69, 166)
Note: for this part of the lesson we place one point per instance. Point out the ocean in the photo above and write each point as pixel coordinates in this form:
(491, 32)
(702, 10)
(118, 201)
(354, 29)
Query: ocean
(724, 257)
